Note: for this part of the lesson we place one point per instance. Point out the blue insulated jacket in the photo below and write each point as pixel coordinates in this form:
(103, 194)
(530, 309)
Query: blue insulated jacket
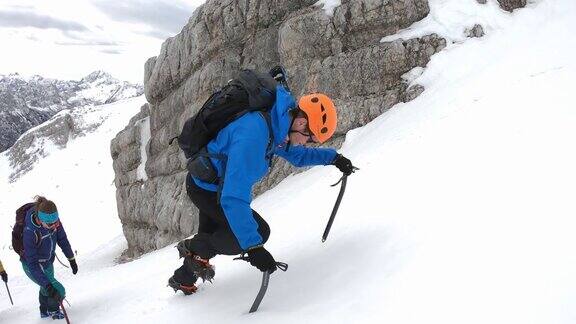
(244, 142)
(40, 245)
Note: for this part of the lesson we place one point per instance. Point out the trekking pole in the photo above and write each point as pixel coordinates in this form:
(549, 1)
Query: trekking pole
(9, 295)
(64, 311)
(336, 205)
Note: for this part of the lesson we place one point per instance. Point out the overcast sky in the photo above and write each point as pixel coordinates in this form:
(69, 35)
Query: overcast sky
(68, 39)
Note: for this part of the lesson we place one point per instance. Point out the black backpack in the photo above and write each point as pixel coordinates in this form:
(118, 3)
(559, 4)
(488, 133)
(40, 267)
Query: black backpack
(248, 91)
(18, 229)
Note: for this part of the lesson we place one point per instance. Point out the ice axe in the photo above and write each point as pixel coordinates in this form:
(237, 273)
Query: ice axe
(265, 280)
(337, 204)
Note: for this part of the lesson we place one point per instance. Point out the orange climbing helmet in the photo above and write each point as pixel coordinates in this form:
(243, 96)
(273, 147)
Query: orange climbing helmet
(321, 115)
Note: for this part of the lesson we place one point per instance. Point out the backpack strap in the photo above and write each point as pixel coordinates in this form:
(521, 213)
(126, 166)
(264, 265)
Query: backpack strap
(269, 152)
(196, 158)
(37, 237)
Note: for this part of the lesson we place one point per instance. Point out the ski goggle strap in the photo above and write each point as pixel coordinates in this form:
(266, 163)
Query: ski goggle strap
(48, 218)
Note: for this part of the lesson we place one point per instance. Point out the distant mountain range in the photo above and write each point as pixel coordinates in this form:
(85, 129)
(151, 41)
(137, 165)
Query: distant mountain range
(26, 102)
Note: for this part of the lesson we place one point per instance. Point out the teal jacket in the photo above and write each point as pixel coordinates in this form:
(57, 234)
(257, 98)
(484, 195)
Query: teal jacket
(40, 245)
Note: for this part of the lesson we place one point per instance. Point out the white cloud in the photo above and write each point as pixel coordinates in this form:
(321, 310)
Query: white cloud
(164, 17)
(69, 39)
(27, 18)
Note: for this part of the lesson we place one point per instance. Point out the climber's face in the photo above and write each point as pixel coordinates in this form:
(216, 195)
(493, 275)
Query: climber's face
(300, 133)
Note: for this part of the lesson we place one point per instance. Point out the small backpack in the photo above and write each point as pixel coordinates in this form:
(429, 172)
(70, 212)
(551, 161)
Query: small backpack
(18, 229)
(249, 91)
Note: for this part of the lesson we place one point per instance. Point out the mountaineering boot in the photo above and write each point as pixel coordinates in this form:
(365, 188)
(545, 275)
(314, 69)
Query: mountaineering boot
(57, 314)
(44, 314)
(195, 264)
(200, 267)
(186, 289)
(183, 280)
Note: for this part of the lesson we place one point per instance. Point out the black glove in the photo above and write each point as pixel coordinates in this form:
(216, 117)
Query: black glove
(4, 276)
(278, 73)
(344, 164)
(53, 292)
(73, 265)
(262, 259)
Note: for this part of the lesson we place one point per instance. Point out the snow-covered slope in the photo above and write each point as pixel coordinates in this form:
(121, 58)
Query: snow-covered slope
(462, 212)
(78, 178)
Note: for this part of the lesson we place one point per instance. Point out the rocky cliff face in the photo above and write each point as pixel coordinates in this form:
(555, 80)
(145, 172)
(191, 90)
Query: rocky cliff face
(340, 55)
(28, 102)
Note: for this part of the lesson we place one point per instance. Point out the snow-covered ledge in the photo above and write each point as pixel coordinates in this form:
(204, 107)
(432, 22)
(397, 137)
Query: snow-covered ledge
(144, 125)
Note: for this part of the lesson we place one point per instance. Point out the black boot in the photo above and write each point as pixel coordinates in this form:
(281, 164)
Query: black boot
(186, 289)
(183, 280)
(200, 267)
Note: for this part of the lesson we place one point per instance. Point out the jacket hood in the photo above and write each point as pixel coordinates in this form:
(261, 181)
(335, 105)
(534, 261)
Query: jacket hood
(280, 114)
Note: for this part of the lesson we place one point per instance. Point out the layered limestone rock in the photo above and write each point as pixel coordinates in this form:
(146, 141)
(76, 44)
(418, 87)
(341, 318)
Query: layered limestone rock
(340, 55)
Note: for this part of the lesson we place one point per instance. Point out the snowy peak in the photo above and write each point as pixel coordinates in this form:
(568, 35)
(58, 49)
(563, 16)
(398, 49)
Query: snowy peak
(103, 88)
(97, 76)
(26, 102)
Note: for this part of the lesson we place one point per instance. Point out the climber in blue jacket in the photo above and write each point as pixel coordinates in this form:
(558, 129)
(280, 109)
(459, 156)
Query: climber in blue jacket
(42, 232)
(227, 223)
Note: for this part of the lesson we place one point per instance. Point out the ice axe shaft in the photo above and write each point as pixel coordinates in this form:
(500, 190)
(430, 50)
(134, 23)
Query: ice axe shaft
(265, 280)
(335, 209)
(261, 292)
(264, 286)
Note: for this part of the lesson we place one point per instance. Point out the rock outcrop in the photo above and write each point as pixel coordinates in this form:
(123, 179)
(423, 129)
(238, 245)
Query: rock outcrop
(476, 31)
(54, 134)
(510, 5)
(340, 55)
